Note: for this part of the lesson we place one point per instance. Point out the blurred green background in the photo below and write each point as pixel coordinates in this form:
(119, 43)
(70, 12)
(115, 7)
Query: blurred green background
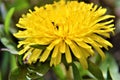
(11, 11)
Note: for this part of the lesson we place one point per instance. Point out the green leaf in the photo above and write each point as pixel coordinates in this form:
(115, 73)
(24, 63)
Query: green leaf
(8, 20)
(38, 70)
(76, 73)
(83, 72)
(113, 68)
(108, 75)
(34, 75)
(20, 60)
(41, 68)
(34, 71)
(30, 72)
(94, 69)
(23, 72)
(13, 62)
(5, 64)
(19, 73)
(9, 44)
(110, 64)
(60, 72)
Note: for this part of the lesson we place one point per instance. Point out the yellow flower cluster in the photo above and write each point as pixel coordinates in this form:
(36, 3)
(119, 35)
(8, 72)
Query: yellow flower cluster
(67, 28)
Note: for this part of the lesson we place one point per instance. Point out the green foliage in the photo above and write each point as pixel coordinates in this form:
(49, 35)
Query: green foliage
(5, 36)
(94, 69)
(9, 44)
(110, 68)
(8, 60)
(8, 20)
(19, 73)
(93, 72)
(42, 68)
(108, 76)
(76, 73)
(79, 73)
(4, 65)
(27, 72)
(60, 72)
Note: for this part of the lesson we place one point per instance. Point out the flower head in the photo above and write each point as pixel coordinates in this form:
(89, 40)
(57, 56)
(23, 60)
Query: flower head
(67, 28)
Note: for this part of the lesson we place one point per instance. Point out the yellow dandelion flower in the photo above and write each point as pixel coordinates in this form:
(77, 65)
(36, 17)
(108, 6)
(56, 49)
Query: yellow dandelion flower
(66, 28)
